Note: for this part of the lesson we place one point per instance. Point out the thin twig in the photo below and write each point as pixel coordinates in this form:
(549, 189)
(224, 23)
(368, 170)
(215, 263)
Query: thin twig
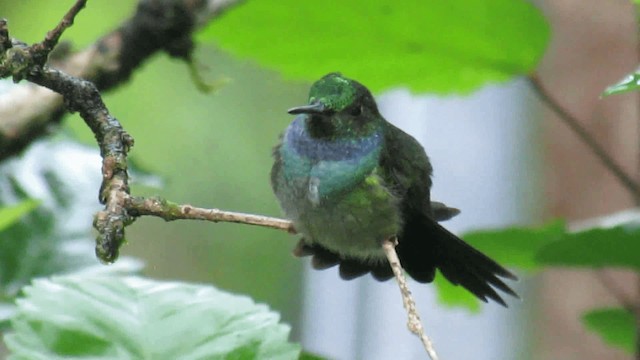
(42, 49)
(413, 323)
(169, 211)
(625, 179)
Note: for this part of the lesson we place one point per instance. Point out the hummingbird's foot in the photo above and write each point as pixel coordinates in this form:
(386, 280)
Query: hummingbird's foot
(302, 249)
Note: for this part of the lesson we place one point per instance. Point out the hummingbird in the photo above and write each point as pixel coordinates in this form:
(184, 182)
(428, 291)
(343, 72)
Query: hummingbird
(349, 180)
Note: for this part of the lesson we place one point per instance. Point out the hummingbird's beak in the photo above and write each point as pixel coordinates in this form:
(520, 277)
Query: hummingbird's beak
(315, 108)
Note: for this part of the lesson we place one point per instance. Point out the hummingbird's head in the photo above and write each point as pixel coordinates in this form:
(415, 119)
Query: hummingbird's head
(339, 107)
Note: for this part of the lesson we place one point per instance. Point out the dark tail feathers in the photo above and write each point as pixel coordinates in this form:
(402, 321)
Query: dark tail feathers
(426, 245)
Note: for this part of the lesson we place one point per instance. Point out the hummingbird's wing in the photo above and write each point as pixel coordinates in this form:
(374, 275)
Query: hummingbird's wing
(424, 245)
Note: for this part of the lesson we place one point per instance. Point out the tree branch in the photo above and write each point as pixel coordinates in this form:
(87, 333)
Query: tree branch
(574, 124)
(28, 112)
(26, 62)
(42, 50)
(169, 211)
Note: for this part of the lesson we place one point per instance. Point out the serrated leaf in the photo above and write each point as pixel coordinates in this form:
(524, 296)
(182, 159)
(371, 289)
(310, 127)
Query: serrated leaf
(114, 317)
(630, 83)
(616, 327)
(434, 45)
(618, 247)
(11, 214)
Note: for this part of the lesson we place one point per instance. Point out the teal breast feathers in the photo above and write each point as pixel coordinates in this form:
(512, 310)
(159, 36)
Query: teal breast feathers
(327, 167)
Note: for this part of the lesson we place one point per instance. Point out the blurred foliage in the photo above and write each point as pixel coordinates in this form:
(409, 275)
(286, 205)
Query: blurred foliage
(11, 214)
(117, 317)
(47, 239)
(517, 246)
(595, 248)
(30, 20)
(616, 326)
(455, 296)
(630, 83)
(436, 46)
(614, 245)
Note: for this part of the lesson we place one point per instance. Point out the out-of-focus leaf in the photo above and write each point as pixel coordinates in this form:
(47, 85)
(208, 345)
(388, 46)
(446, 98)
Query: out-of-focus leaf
(6, 313)
(11, 214)
(455, 296)
(629, 83)
(618, 246)
(116, 317)
(309, 356)
(516, 246)
(434, 45)
(616, 327)
(56, 237)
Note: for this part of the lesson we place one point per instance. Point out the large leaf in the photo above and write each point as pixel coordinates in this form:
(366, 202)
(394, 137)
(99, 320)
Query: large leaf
(433, 45)
(615, 326)
(115, 317)
(11, 214)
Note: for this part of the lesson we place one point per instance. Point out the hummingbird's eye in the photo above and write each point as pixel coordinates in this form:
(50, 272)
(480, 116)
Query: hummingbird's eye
(356, 111)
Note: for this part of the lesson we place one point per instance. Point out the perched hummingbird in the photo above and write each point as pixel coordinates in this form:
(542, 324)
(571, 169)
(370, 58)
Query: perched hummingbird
(349, 180)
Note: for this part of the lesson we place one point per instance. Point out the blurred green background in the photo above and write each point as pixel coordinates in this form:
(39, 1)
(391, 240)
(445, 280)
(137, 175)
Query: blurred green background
(211, 150)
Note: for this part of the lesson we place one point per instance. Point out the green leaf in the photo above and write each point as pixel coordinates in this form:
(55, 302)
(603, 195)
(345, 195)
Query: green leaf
(616, 327)
(115, 317)
(12, 214)
(629, 83)
(434, 45)
(516, 246)
(617, 246)
(455, 296)
(309, 356)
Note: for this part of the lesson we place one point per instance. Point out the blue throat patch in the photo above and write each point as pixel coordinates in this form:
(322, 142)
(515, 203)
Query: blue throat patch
(327, 166)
